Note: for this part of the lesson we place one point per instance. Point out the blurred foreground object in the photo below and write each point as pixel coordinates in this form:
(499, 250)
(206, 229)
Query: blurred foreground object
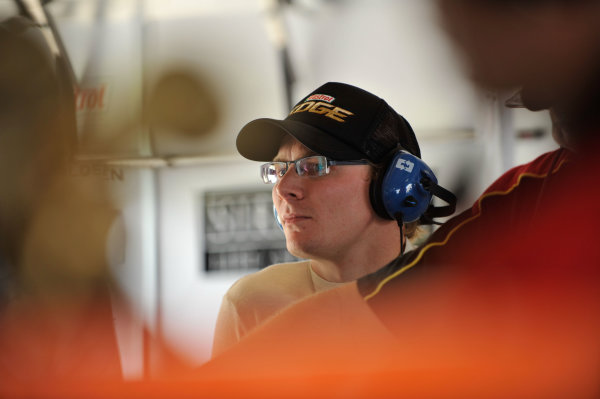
(549, 48)
(183, 103)
(56, 320)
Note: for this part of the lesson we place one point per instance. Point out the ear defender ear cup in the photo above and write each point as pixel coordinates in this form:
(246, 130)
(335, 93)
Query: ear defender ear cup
(403, 190)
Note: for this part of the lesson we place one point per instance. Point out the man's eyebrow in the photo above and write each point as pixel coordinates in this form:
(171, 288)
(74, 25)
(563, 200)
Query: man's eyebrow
(307, 154)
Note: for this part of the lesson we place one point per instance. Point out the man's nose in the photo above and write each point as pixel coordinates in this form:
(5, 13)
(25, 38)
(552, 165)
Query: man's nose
(290, 185)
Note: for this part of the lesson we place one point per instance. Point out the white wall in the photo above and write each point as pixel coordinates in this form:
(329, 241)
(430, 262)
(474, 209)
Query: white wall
(133, 241)
(190, 296)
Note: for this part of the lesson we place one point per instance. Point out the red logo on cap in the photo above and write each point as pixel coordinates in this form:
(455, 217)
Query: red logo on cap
(320, 97)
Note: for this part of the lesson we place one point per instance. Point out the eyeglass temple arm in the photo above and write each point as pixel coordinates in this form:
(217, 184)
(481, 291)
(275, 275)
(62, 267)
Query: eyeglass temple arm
(357, 162)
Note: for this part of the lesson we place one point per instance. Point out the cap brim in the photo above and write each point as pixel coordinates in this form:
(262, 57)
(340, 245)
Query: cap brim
(260, 139)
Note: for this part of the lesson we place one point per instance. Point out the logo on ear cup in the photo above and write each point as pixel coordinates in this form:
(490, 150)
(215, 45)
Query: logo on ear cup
(405, 164)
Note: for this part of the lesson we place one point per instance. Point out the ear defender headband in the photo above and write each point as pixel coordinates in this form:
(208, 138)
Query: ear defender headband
(404, 190)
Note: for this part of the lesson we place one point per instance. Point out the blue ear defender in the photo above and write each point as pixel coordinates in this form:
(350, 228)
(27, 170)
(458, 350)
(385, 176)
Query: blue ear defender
(402, 189)
(405, 190)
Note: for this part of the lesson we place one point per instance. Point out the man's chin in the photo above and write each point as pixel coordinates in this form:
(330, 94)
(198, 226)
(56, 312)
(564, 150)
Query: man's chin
(300, 250)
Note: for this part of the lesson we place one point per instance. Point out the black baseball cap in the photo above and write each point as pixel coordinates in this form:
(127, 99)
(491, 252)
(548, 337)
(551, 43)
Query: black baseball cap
(337, 120)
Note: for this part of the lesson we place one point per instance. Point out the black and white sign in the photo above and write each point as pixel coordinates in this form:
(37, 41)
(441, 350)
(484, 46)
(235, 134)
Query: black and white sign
(241, 232)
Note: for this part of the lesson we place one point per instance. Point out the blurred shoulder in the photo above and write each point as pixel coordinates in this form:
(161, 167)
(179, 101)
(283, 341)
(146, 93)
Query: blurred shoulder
(538, 168)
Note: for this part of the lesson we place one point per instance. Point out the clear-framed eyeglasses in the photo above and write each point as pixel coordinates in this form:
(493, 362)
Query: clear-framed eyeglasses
(314, 166)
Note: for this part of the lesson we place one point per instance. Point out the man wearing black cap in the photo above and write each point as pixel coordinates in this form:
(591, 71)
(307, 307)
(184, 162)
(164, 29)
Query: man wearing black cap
(321, 159)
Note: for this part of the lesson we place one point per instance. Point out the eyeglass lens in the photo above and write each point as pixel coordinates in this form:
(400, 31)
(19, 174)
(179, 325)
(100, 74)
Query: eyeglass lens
(310, 166)
(313, 166)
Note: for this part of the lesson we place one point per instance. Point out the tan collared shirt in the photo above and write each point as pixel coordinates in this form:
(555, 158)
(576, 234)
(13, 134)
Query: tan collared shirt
(256, 297)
